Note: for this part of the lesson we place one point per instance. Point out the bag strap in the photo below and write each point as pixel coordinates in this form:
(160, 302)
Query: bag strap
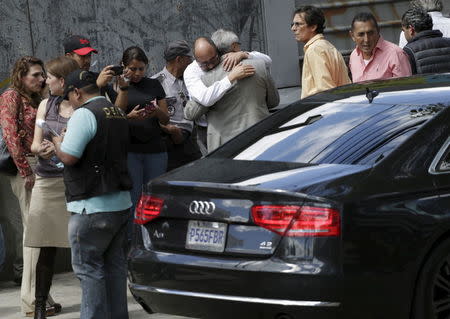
(53, 104)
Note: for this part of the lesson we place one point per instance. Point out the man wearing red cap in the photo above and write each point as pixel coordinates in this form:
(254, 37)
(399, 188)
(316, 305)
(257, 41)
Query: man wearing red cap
(79, 48)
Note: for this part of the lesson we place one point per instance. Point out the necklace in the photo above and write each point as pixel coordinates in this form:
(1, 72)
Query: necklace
(65, 111)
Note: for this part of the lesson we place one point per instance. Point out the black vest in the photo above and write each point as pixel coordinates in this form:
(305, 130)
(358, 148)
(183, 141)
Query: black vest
(429, 52)
(103, 167)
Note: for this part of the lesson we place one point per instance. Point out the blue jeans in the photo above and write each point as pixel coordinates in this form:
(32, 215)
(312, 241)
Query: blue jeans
(98, 259)
(143, 167)
(2, 248)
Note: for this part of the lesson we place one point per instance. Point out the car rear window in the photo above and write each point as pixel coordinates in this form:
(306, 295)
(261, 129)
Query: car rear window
(350, 131)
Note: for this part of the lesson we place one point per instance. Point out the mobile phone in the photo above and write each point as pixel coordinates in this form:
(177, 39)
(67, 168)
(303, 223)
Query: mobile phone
(117, 69)
(149, 105)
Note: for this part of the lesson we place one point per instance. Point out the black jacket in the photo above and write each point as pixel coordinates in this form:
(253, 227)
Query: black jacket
(103, 167)
(429, 52)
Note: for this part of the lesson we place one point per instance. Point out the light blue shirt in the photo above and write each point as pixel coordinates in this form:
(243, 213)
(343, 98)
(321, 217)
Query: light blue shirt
(81, 129)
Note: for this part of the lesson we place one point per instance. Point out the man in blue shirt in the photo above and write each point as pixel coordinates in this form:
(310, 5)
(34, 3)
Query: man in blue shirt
(94, 152)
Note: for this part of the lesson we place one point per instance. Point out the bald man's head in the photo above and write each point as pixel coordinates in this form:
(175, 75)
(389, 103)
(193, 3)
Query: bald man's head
(206, 53)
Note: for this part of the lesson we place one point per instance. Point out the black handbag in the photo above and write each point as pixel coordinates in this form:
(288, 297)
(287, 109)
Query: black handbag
(7, 165)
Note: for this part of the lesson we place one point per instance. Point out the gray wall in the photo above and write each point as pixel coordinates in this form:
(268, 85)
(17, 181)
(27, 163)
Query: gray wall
(39, 27)
(281, 44)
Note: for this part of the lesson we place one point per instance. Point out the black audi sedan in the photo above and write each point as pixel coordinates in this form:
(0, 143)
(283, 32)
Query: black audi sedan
(337, 206)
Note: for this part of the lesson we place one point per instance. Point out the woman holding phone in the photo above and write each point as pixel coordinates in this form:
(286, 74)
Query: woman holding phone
(143, 99)
(48, 217)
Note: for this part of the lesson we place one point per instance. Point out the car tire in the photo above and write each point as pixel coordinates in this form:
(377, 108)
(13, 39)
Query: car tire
(432, 295)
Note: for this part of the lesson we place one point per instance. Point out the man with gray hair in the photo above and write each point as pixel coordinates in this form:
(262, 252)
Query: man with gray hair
(427, 50)
(208, 95)
(245, 104)
(434, 9)
(206, 60)
(226, 41)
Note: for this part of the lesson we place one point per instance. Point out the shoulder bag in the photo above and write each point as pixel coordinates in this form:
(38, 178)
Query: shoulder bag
(7, 165)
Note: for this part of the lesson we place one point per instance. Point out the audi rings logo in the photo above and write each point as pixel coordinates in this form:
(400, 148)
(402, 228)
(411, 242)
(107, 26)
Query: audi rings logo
(201, 207)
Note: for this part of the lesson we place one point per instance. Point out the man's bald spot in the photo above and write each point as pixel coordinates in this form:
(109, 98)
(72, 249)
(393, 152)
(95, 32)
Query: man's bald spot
(204, 49)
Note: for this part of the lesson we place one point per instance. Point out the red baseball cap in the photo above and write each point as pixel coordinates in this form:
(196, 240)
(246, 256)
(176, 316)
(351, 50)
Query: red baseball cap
(78, 44)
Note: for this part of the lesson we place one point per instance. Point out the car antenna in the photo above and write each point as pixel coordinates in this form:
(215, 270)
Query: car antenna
(371, 94)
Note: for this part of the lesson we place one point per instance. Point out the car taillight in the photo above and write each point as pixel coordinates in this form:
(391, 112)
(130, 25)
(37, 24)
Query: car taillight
(295, 221)
(148, 208)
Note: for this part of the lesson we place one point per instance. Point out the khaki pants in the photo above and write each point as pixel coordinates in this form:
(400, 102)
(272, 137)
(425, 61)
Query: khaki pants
(30, 255)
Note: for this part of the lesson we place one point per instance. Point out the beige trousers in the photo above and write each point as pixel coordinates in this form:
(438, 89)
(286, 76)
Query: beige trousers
(30, 255)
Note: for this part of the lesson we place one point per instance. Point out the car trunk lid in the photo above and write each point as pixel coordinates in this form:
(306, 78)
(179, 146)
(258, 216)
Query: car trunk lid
(247, 211)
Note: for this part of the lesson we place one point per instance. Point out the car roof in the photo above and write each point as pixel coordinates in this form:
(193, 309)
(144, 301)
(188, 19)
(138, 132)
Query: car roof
(402, 94)
(389, 85)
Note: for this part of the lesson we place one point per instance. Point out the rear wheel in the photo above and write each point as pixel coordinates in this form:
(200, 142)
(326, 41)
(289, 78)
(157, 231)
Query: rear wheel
(432, 297)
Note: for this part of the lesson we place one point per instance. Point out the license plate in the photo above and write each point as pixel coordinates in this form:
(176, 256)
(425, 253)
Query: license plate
(208, 236)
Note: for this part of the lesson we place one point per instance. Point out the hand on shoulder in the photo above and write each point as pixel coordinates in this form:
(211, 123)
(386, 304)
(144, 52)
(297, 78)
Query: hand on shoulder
(231, 59)
(241, 71)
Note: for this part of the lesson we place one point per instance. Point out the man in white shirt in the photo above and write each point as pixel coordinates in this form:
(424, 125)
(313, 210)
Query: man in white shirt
(207, 96)
(206, 61)
(241, 107)
(434, 9)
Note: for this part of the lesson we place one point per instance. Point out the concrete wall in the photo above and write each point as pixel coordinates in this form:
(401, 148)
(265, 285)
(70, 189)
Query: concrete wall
(39, 27)
(31, 27)
(281, 44)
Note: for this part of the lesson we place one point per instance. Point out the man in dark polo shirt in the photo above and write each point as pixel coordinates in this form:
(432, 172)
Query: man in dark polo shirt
(94, 152)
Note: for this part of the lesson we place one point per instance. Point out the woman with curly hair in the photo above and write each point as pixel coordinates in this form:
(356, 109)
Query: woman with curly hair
(18, 107)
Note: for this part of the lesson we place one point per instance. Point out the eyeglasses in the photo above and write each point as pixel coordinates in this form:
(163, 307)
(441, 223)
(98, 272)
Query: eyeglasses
(297, 24)
(210, 62)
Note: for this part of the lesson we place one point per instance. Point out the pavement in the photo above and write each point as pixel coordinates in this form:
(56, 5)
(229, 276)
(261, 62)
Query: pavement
(65, 290)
